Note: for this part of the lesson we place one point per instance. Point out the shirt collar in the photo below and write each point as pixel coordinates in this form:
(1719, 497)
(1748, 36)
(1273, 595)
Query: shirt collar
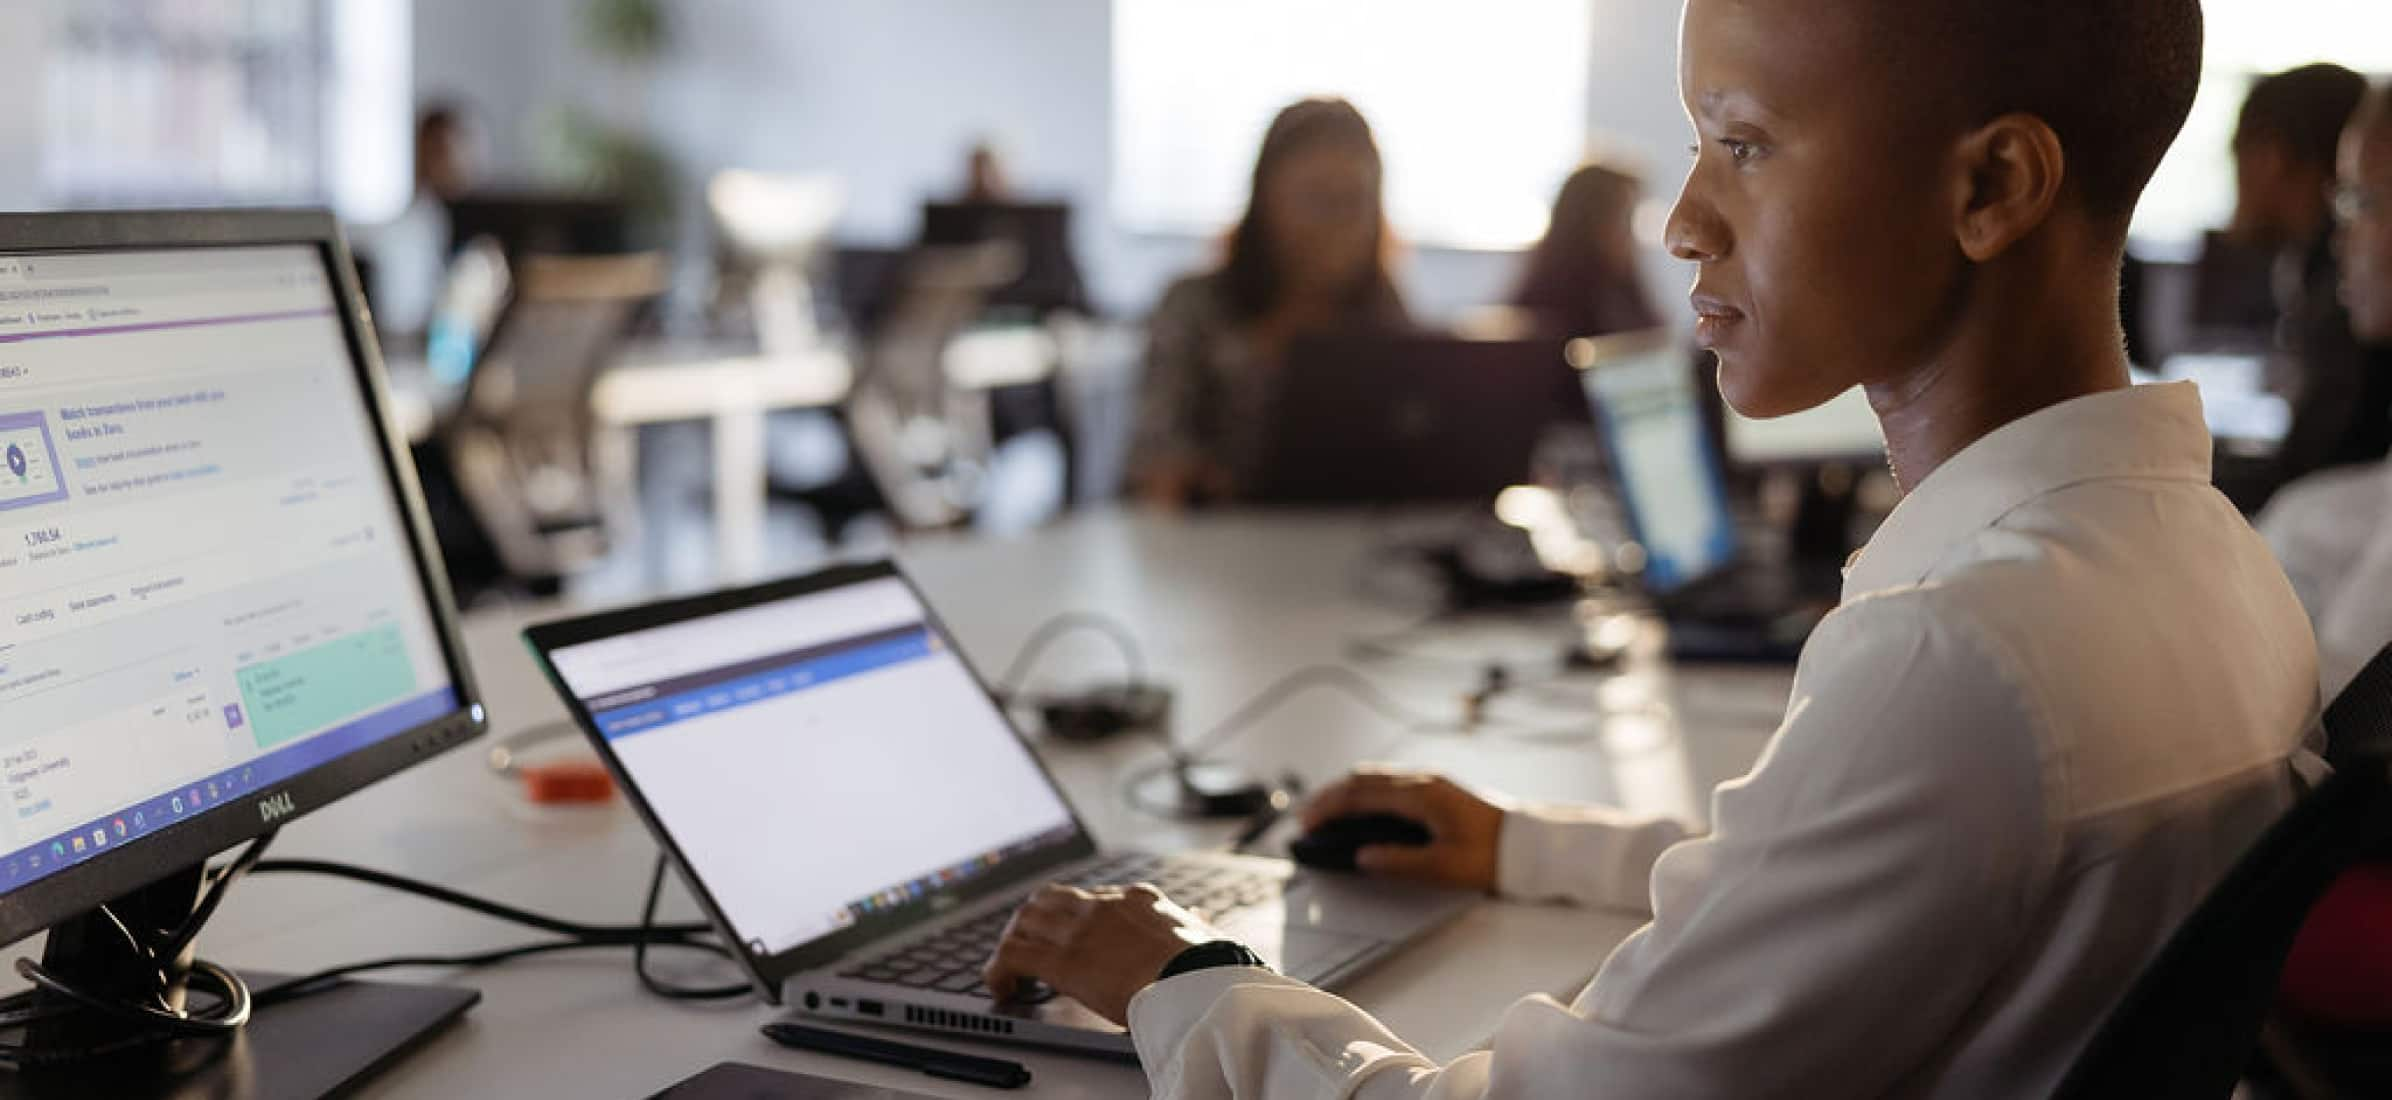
(2140, 431)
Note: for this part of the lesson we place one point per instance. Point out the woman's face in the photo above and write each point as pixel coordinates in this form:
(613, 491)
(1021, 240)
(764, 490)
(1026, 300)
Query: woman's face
(1321, 209)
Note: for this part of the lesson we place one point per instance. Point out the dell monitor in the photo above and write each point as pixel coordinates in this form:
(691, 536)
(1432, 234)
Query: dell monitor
(220, 606)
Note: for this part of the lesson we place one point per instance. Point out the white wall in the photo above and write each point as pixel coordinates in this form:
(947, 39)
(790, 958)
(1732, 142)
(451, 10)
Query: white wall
(887, 94)
(23, 29)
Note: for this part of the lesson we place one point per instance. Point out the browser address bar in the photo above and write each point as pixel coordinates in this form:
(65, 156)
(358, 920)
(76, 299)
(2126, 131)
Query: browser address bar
(137, 288)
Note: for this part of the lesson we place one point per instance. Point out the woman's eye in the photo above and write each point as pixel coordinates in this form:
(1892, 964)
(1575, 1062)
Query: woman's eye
(1739, 151)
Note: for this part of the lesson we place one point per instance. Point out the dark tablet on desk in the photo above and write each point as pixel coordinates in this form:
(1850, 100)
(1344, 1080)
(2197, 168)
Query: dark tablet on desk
(737, 1081)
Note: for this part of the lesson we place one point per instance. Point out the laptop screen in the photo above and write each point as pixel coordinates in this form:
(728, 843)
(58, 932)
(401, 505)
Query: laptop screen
(818, 760)
(1660, 455)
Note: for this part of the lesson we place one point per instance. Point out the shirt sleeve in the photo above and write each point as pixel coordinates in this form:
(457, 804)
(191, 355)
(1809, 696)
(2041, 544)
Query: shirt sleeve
(1587, 855)
(1861, 887)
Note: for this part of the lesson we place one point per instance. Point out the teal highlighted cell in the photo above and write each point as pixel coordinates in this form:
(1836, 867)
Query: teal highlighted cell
(320, 686)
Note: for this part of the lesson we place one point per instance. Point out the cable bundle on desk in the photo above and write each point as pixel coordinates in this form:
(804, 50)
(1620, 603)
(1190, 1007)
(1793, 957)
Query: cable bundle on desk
(575, 936)
(154, 1022)
(56, 998)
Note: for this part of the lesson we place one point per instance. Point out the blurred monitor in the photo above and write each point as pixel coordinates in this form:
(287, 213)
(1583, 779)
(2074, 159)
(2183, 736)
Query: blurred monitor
(1842, 430)
(1050, 277)
(529, 223)
(1662, 460)
(1387, 419)
(2242, 415)
(2234, 291)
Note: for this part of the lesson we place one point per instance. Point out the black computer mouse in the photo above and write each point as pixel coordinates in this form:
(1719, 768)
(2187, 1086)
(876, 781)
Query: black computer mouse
(1331, 846)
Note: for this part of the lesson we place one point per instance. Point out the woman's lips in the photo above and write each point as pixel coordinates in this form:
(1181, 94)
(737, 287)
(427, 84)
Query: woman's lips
(1714, 320)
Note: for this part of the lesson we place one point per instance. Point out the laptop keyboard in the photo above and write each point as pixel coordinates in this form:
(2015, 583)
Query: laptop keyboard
(949, 960)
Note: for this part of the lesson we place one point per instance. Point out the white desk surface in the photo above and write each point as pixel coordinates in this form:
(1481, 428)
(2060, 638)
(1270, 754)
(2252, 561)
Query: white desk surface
(1224, 604)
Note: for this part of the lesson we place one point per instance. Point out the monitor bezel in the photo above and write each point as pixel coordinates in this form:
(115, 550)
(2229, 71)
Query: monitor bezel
(769, 969)
(86, 885)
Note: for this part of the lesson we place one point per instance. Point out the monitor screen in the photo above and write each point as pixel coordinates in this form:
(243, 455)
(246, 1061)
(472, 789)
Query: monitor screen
(1662, 461)
(207, 582)
(1842, 429)
(818, 760)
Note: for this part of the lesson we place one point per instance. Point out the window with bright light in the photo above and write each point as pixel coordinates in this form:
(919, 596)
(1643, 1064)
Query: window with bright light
(2194, 190)
(1480, 109)
(266, 101)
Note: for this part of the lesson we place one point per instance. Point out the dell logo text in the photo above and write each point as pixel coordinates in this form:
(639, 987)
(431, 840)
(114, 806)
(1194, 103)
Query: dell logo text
(275, 807)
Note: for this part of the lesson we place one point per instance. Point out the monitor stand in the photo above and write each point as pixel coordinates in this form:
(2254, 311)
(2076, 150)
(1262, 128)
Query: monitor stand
(326, 1043)
(322, 1043)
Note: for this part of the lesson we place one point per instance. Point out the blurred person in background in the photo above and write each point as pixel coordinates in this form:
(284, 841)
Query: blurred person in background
(2329, 530)
(1310, 255)
(984, 178)
(410, 252)
(2332, 533)
(1582, 278)
(2284, 152)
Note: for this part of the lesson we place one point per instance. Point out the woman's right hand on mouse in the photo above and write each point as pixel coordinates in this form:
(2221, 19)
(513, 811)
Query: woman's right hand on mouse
(1465, 830)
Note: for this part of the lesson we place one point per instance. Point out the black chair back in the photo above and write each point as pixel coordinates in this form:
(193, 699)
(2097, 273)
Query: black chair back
(2189, 1025)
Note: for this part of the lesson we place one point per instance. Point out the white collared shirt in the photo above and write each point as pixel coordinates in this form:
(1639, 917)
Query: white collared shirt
(2067, 687)
(2333, 532)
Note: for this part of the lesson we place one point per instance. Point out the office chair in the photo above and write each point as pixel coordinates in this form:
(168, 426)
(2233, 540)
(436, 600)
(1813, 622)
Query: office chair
(2188, 1027)
(925, 441)
(522, 445)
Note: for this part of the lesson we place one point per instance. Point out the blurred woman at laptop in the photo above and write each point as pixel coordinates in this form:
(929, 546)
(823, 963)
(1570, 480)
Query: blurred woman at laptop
(1310, 255)
(1582, 279)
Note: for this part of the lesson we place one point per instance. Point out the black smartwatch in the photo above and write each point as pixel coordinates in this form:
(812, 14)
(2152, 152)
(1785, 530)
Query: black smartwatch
(1205, 956)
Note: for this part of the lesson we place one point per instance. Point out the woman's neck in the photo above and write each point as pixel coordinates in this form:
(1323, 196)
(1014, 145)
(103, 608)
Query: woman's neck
(2016, 351)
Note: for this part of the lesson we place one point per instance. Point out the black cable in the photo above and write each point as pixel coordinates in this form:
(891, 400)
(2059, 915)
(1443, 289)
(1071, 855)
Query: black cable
(639, 955)
(1053, 630)
(155, 1021)
(576, 935)
(322, 979)
(242, 864)
(232, 993)
(616, 934)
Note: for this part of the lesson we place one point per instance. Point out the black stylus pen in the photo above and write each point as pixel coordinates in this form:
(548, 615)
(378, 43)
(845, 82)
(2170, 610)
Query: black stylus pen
(995, 1072)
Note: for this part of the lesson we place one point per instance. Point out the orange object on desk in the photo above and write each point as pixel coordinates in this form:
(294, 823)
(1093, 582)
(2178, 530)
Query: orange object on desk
(568, 782)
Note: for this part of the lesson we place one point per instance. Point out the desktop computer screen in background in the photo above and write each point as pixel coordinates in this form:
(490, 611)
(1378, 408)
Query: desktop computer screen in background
(1662, 460)
(207, 585)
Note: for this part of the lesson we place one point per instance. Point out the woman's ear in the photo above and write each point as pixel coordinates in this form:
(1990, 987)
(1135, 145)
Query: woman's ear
(2013, 169)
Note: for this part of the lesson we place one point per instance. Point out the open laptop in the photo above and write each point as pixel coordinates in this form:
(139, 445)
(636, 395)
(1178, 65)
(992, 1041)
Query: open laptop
(1721, 604)
(859, 818)
(1416, 418)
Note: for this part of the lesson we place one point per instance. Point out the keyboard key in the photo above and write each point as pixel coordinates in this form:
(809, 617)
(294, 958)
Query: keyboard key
(960, 982)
